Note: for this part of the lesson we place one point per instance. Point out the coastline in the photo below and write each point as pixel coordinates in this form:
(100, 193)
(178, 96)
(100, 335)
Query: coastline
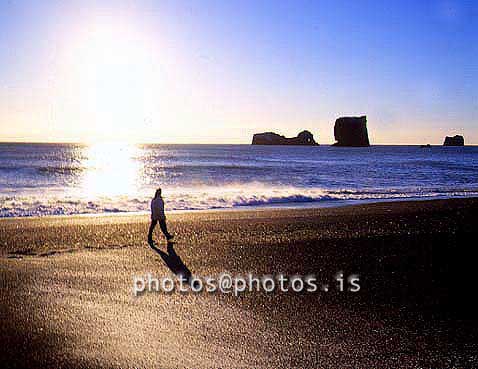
(77, 230)
(66, 289)
(320, 204)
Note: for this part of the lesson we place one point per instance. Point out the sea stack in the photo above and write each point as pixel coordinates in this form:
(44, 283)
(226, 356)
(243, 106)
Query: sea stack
(304, 138)
(454, 141)
(351, 131)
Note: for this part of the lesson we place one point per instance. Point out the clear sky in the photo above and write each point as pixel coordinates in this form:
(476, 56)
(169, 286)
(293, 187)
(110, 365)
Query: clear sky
(218, 71)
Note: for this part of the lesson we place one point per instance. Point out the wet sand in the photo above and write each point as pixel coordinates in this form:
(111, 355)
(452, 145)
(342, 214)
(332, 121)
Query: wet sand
(67, 289)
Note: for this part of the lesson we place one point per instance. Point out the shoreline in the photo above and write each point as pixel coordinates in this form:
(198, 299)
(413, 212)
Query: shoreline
(328, 204)
(92, 231)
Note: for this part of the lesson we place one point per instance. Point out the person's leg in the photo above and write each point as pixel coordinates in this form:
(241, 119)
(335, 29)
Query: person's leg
(151, 229)
(164, 228)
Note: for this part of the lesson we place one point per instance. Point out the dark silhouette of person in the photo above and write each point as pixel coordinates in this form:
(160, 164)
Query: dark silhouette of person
(158, 216)
(174, 262)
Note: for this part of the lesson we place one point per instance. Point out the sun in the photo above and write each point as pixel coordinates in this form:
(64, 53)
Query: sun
(113, 77)
(122, 81)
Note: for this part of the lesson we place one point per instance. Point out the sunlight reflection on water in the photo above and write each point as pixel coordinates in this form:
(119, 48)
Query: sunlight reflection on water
(111, 169)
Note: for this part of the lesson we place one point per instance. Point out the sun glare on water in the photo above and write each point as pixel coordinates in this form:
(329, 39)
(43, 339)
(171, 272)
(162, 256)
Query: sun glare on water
(111, 169)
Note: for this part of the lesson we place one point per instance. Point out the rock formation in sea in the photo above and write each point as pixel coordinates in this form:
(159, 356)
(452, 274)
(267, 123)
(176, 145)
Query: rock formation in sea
(454, 141)
(351, 131)
(270, 138)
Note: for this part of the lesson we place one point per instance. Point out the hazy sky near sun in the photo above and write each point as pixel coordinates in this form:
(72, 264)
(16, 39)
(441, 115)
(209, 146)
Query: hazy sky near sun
(218, 71)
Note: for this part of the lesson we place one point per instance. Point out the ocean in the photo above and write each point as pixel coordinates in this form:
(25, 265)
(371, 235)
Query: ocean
(63, 179)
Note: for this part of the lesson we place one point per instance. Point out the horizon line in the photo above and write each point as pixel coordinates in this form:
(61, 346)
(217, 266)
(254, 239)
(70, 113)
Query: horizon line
(199, 143)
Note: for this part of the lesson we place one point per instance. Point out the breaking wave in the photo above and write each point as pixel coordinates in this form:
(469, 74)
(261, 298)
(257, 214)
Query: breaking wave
(202, 198)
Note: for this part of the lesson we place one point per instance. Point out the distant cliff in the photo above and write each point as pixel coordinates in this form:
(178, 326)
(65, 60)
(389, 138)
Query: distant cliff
(454, 141)
(351, 131)
(270, 138)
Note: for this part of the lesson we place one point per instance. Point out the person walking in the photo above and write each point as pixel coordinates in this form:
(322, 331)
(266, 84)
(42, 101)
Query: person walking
(158, 216)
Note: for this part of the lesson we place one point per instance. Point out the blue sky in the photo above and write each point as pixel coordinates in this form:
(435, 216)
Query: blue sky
(218, 71)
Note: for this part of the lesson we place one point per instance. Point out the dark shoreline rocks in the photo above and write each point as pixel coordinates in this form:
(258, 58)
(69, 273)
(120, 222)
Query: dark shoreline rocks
(304, 138)
(351, 131)
(456, 140)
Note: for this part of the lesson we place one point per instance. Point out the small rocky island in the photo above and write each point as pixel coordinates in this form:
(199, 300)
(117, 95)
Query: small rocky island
(454, 141)
(351, 131)
(270, 138)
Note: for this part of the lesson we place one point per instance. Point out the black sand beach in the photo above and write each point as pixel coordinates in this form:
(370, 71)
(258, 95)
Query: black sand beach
(67, 289)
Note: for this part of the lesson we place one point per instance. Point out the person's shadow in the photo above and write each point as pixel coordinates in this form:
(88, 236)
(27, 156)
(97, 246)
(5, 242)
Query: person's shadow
(174, 262)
